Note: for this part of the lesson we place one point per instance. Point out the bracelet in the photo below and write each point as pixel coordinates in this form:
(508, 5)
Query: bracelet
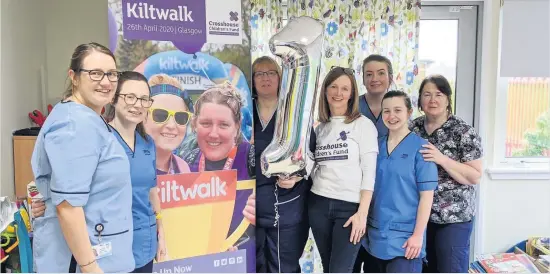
(81, 266)
(158, 216)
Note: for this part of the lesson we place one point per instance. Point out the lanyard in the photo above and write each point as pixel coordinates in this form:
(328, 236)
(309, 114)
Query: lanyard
(228, 162)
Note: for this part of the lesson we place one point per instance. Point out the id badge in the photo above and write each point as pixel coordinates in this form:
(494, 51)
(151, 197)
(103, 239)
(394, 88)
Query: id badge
(102, 250)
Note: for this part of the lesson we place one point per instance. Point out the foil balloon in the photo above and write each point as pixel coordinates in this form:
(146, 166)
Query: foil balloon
(299, 45)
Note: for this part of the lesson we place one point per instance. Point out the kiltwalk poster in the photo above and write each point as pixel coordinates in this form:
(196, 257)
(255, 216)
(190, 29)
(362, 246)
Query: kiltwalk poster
(184, 47)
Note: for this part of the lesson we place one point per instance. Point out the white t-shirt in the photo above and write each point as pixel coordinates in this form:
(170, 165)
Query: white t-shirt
(345, 158)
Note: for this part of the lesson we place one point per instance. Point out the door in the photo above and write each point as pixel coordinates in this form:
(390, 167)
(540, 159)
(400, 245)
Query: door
(448, 45)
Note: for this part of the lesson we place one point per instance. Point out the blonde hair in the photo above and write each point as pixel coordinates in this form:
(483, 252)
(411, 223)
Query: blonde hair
(222, 94)
(267, 61)
(352, 113)
(164, 79)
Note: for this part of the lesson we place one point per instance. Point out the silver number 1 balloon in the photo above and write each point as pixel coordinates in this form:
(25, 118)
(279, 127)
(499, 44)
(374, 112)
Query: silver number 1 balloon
(299, 45)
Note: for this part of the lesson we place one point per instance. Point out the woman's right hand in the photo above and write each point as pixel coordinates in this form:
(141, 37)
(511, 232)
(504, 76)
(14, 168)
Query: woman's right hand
(38, 208)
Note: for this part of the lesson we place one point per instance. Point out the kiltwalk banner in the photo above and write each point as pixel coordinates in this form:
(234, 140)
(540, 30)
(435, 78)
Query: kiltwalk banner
(185, 47)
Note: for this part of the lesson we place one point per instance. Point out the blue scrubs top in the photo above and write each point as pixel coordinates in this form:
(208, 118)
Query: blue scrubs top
(377, 121)
(400, 177)
(143, 174)
(77, 159)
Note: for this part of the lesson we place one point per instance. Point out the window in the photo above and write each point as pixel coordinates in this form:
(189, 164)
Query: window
(522, 130)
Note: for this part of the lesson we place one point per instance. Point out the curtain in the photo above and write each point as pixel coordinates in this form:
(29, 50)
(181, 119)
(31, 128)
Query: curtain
(266, 19)
(354, 29)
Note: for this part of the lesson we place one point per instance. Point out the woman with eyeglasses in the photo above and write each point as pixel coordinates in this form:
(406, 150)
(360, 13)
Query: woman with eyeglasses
(167, 122)
(282, 227)
(344, 173)
(126, 115)
(83, 173)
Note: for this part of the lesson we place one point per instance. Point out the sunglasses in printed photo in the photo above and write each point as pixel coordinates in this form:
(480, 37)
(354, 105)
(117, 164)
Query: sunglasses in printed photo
(161, 116)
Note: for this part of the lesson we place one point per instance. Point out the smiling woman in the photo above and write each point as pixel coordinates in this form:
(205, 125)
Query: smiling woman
(167, 122)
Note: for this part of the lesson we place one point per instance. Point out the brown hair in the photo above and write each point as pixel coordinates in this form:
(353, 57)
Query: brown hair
(124, 77)
(79, 54)
(222, 94)
(260, 61)
(381, 59)
(442, 85)
(352, 112)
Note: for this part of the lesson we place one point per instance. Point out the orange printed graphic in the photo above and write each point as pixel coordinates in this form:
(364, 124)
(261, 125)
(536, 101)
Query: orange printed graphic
(196, 188)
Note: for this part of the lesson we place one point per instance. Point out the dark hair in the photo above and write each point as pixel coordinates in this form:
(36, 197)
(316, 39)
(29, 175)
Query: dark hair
(442, 85)
(124, 77)
(264, 60)
(79, 54)
(352, 112)
(381, 59)
(401, 94)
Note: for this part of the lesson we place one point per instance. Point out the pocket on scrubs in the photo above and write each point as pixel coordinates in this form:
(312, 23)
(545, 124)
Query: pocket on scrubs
(402, 227)
(120, 234)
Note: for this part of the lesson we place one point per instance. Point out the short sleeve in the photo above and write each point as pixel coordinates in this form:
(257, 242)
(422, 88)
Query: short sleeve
(425, 173)
(470, 146)
(74, 156)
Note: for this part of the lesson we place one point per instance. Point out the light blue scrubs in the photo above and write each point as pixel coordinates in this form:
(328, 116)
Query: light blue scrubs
(77, 159)
(400, 177)
(378, 122)
(144, 177)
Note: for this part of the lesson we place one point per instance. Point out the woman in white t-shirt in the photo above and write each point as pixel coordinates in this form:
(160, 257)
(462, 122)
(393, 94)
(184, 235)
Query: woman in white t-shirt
(343, 178)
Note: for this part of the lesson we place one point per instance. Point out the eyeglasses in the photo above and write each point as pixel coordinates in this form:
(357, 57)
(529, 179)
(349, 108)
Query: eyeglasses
(270, 73)
(131, 99)
(97, 75)
(161, 116)
(346, 70)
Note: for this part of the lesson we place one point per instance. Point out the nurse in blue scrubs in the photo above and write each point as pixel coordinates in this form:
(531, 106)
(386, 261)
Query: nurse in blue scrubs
(377, 79)
(84, 175)
(403, 194)
(129, 109)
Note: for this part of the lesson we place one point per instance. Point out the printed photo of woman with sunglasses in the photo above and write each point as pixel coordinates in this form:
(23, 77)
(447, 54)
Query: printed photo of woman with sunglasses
(167, 122)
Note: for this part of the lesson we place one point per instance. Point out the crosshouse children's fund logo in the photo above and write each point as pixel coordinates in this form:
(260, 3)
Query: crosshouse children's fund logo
(231, 26)
(333, 151)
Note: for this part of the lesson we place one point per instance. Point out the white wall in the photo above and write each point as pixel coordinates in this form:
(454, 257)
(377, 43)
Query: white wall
(68, 24)
(23, 53)
(510, 210)
(34, 34)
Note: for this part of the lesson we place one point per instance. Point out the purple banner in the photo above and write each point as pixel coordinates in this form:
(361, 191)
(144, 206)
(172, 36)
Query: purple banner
(226, 262)
(178, 21)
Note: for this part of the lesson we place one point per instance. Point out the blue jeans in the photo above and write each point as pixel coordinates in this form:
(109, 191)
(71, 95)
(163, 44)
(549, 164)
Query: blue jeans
(395, 265)
(327, 217)
(448, 247)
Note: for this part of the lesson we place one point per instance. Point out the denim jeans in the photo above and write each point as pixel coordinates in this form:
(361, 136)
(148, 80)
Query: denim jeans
(448, 247)
(327, 218)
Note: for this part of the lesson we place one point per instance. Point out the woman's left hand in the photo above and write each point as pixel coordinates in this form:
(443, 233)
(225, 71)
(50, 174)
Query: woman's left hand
(358, 226)
(413, 247)
(432, 154)
(161, 249)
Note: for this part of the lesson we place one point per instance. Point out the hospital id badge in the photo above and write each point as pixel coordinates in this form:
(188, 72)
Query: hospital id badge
(102, 250)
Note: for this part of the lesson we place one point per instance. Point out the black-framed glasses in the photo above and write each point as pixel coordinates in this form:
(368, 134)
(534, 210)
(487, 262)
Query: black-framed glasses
(131, 99)
(346, 70)
(97, 75)
(270, 73)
